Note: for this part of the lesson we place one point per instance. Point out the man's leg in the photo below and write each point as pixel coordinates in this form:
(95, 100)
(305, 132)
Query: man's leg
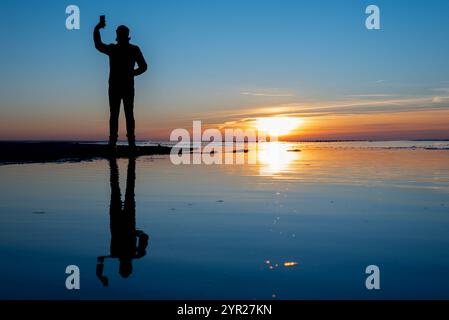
(114, 108)
(128, 103)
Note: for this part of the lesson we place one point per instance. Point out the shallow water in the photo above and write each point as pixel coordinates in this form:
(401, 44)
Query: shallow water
(225, 231)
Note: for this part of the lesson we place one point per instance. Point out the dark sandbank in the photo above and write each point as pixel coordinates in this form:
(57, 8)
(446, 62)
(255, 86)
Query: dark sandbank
(29, 152)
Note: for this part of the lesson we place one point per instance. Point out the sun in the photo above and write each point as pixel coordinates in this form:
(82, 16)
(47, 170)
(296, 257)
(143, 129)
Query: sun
(278, 126)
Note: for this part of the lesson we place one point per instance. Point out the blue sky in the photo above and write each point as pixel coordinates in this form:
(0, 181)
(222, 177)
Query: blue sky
(214, 57)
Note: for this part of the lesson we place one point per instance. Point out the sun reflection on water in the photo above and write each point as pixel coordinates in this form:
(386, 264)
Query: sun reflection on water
(275, 157)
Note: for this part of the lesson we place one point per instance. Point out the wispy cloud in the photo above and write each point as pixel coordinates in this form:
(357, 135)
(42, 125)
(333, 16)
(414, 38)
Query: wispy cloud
(441, 89)
(331, 108)
(274, 92)
(371, 95)
(441, 98)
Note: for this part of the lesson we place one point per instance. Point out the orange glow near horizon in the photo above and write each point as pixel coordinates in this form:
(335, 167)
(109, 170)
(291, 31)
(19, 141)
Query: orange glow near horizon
(399, 125)
(431, 124)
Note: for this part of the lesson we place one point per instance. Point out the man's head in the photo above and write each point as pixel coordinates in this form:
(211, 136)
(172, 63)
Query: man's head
(125, 267)
(122, 34)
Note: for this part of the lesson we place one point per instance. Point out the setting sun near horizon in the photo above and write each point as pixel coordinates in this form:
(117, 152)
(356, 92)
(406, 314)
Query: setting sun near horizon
(278, 126)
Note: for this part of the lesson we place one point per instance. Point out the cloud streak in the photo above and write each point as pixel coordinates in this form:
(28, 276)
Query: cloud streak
(267, 93)
(374, 95)
(329, 108)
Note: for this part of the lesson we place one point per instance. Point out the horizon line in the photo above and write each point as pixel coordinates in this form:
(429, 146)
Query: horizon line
(158, 140)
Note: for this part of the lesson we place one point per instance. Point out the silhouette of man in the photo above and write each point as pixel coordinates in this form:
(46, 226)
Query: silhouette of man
(122, 59)
(127, 243)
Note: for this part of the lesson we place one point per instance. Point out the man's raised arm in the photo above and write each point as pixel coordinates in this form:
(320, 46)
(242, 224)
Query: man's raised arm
(99, 45)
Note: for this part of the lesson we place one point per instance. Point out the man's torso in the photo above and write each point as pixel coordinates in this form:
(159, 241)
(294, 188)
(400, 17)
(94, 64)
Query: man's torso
(122, 60)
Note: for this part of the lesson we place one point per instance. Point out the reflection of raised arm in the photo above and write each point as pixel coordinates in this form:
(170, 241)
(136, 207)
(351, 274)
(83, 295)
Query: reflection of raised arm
(141, 63)
(100, 267)
(99, 45)
(142, 244)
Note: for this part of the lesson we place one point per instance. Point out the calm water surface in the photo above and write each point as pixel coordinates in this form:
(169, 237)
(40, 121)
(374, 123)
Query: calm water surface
(225, 231)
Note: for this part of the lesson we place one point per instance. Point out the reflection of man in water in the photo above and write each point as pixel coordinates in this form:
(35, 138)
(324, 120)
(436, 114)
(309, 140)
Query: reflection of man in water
(127, 243)
(122, 58)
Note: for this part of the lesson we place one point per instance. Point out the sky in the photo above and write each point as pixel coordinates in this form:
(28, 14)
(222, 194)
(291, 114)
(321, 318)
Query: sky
(228, 63)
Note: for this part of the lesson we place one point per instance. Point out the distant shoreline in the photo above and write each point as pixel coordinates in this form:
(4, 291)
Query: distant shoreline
(167, 141)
